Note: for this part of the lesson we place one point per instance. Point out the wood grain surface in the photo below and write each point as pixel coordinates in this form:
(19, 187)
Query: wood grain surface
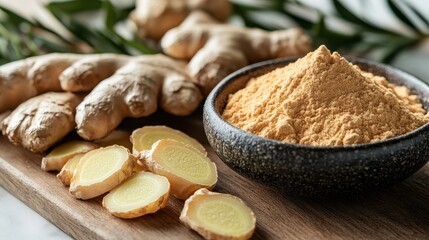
(400, 212)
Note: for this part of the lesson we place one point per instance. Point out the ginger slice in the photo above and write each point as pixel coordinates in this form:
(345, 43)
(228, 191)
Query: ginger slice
(118, 137)
(121, 138)
(141, 194)
(59, 156)
(100, 170)
(186, 168)
(144, 138)
(67, 171)
(218, 216)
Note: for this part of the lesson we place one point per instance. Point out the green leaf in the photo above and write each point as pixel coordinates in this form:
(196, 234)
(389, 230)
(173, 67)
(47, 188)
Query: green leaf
(248, 21)
(110, 41)
(14, 17)
(319, 28)
(362, 48)
(111, 16)
(351, 17)
(123, 13)
(332, 39)
(302, 22)
(54, 33)
(418, 14)
(396, 9)
(238, 6)
(244, 10)
(97, 41)
(136, 44)
(390, 51)
(50, 45)
(9, 32)
(75, 6)
(17, 20)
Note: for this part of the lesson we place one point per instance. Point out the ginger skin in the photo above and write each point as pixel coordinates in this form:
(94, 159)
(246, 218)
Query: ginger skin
(24, 79)
(215, 50)
(153, 18)
(41, 121)
(125, 86)
(133, 91)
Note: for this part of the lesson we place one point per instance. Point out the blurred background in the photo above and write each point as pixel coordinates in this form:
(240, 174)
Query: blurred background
(391, 31)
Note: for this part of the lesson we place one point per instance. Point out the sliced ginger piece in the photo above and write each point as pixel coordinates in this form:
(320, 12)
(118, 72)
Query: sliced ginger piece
(67, 171)
(121, 138)
(218, 216)
(144, 138)
(186, 168)
(59, 156)
(141, 194)
(118, 137)
(100, 170)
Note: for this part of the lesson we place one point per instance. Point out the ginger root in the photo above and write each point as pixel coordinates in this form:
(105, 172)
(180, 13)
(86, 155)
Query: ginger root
(215, 50)
(218, 216)
(24, 79)
(59, 156)
(186, 168)
(143, 139)
(100, 170)
(125, 86)
(133, 91)
(153, 18)
(141, 194)
(41, 121)
(67, 172)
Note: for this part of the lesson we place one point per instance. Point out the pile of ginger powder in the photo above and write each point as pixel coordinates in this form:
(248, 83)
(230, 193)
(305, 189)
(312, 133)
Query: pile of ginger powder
(324, 100)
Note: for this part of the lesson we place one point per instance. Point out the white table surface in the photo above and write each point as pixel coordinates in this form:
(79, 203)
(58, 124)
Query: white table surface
(17, 221)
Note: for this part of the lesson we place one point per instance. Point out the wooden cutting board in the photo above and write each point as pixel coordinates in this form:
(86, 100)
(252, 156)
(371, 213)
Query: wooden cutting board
(401, 212)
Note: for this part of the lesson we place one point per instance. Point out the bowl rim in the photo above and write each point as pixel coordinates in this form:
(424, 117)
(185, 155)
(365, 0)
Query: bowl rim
(209, 106)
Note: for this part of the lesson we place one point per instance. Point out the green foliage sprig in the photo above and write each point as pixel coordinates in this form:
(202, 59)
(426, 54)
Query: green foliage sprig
(21, 37)
(366, 38)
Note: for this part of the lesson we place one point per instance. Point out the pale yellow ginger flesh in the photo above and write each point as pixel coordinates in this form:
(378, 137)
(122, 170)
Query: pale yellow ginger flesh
(143, 139)
(218, 216)
(141, 194)
(121, 138)
(118, 137)
(59, 156)
(100, 170)
(186, 168)
(67, 172)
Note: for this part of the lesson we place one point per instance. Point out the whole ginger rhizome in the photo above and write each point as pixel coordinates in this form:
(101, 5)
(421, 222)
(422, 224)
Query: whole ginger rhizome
(321, 99)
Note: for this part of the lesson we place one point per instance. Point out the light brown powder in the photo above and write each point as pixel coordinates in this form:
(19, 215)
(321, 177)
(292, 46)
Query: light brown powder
(322, 99)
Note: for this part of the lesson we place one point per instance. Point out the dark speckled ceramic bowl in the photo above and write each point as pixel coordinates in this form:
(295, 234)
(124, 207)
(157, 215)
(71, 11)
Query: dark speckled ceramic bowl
(311, 170)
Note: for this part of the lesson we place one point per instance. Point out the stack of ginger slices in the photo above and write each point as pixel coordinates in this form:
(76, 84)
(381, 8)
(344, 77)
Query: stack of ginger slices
(163, 161)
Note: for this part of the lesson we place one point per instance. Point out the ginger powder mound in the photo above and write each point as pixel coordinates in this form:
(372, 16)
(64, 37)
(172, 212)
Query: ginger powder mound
(323, 100)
